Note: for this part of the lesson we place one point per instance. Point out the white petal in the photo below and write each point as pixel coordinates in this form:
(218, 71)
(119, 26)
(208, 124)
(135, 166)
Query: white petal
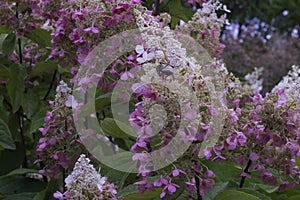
(226, 9)
(139, 49)
(140, 60)
(150, 56)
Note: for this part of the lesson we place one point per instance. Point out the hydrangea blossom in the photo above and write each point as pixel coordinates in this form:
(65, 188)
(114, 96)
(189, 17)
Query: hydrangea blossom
(254, 81)
(58, 147)
(206, 26)
(85, 183)
(260, 133)
(167, 50)
(263, 138)
(81, 26)
(291, 84)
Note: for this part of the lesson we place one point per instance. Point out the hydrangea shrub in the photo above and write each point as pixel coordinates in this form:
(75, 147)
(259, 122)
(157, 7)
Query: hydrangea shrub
(44, 45)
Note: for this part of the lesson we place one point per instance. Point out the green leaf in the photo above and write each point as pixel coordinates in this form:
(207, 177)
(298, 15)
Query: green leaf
(235, 195)
(285, 194)
(12, 123)
(11, 159)
(102, 101)
(110, 127)
(1, 102)
(232, 170)
(47, 194)
(178, 12)
(174, 22)
(40, 195)
(19, 184)
(40, 36)
(117, 177)
(63, 70)
(122, 159)
(297, 163)
(218, 188)
(255, 193)
(6, 140)
(30, 103)
(4, 62)
(175, 9)
(130, 193)
(4, 72)
(38, 119)
(15, 86)
(21, 171)
(8, 44)
(268, 188)
(295, 197)
(4, 29)
(43, 67)
(189, 13)
(21, 196)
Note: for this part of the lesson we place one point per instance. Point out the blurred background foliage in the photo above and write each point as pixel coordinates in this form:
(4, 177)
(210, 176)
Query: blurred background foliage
(283, 15)
(265, 33)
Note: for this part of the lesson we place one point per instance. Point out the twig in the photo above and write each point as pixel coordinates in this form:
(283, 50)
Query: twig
(21, 124)
(7, 103)
(19, 39)
(64, 172)
(51, 85)
(199, 197)
(247, 172)
(156, 8)
(20, 111)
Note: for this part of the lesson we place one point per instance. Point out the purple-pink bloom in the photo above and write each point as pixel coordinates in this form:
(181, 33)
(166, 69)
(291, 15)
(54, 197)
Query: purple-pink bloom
(169, 189)
(143, 185)
(190, 187)
(241, 139)
(209, 173)
(91, 29)
(177, 172)
(253, 156)
(282, 100)
(159, 182)
(244, 174)
(285, 185)
(206, 184)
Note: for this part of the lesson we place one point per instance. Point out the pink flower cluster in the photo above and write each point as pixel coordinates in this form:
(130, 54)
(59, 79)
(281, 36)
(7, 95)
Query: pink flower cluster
(206, 25)
(22, 17)
(59, 146)
(195, 2)
(79, 27)
(264, 136)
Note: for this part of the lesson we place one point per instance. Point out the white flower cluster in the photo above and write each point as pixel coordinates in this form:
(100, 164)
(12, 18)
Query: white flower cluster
(254, 81)
(84, 183)
(62, 87)
(291, 84)
(207, 17)
(160, 41)
(61, 102)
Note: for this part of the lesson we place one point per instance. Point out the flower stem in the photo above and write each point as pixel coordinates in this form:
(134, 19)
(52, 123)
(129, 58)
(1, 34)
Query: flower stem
(156, 8)
(245, 171)
(51, 85)
(64, 171)
(20, 111)
(64, 174)
(19, 39)
(199, 197)
(21, 124)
